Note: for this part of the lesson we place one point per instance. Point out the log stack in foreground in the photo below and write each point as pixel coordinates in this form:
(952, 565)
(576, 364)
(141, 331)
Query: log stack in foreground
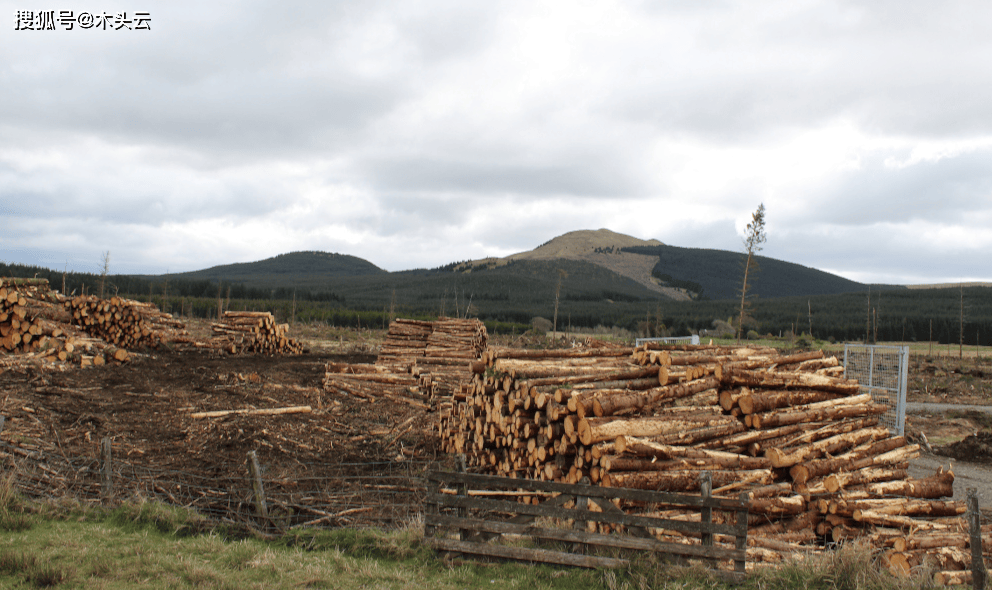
(801, 441)
(35, 326)
(124, 323)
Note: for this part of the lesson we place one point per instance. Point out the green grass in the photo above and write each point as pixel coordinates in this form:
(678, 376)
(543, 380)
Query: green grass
(143, 544)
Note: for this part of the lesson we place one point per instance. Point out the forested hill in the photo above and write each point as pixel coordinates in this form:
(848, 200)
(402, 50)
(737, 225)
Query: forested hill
(296, 269)
(716, 274)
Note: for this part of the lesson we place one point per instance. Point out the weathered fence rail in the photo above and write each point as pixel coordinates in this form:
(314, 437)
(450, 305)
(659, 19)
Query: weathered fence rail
(470, 504)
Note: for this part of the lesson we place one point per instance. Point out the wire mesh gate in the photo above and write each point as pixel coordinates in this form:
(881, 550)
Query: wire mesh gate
(882, 371)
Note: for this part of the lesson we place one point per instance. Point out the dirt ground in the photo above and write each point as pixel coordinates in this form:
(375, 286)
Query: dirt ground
(147, 409)
(944, 379)
(146, 406)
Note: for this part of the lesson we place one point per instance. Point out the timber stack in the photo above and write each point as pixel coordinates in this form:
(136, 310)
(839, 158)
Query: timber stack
(253, 332)
(790, 431)
(419, 363)
(451, 346)
(35, 324)
(124, 323)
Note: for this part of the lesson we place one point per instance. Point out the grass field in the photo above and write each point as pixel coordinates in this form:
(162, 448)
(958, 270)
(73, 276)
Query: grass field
(143, 544)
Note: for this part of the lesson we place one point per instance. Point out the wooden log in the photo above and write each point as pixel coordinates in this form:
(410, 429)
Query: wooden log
(253, 412)
(837, 481)
(939, 485)
(614, 463)
(594, 430)
(682, 481)
(633, 401)
(806, 470)
(766, 380)
(779, 506)
(832, 444)
(953, 578)
(763, 401)
(905, 522)
(803, 414)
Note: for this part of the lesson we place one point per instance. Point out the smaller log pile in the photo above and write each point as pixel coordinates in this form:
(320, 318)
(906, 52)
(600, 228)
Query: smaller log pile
(34, 323)
(253, 332)
(418, 362)
(450, 347)
(124, 323)
(801, 441)
(404, 344)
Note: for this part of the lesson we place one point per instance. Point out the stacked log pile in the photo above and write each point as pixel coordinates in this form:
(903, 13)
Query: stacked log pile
(418, 362)
(35, 325)
(450, 347)
(801, 441)
(124, 323)
(253, 332)
(405, 342)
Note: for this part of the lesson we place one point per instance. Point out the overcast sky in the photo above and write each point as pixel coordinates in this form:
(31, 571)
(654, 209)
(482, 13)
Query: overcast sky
(416, 133)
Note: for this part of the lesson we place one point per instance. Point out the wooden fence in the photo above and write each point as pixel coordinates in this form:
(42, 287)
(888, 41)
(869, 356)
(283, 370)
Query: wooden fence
(477, 506)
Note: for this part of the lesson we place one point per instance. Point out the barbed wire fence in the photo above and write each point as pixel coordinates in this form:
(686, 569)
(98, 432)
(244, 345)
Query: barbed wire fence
(363, 495)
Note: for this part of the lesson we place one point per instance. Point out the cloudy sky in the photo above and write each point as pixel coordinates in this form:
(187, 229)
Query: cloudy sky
(415, 133)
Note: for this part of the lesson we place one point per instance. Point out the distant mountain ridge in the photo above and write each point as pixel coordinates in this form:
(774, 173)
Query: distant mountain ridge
(295, 269)
(716, 274)
(640, 269)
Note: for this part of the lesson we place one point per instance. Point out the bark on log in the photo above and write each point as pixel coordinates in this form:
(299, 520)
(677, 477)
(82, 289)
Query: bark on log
(252, 412)
(682, 481)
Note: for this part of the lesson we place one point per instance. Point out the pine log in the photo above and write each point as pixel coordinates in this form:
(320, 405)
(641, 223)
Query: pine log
(939, 485)
(837, 481)
(799, 415)
(252, 412)
(763, 401)
(803, 472)
(613, 404)
(829, 445)
(594, 430)
(766, 380)
(682, 481)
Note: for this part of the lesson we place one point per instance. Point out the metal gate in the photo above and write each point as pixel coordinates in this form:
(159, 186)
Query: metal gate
(694, 340)
(882, 371)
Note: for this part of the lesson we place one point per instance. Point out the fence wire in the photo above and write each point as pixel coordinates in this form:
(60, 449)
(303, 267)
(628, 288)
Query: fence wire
(377, 494)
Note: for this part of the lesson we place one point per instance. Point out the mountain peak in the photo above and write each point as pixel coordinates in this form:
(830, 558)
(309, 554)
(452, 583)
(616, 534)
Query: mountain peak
(578, 244)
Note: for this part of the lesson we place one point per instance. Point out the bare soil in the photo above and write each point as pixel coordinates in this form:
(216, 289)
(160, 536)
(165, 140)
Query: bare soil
(943, 379)
(146, 407)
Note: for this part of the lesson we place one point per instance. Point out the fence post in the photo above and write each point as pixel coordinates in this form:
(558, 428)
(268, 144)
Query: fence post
(256, 484)
(430, 507)
(106, 470)
(581, 503)
(462, 461)
(706, 514)
(975, 526)
(740, 541)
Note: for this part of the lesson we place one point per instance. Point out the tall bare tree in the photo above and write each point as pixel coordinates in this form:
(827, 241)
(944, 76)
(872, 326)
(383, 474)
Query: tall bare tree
(754, 237)
(554, 325)
(104, 269)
